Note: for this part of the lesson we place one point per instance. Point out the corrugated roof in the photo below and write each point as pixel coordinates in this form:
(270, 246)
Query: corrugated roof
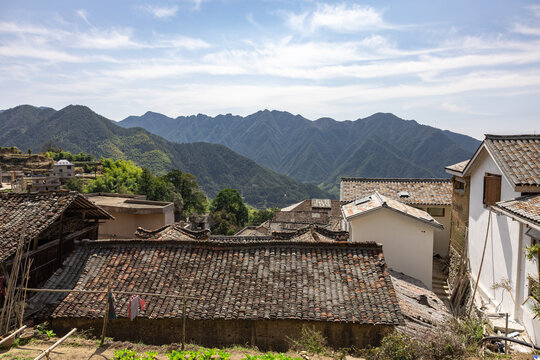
(338, 282)
(421, 191)
(377, 201)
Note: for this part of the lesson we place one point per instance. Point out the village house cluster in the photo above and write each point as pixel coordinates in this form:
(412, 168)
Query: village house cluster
(383, 257)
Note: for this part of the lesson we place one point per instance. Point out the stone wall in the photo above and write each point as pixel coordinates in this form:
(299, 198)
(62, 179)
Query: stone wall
(264, 334)
(460, 215)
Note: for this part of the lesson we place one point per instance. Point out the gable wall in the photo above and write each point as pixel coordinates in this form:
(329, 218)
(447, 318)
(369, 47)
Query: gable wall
(502, 256)
(407, 243)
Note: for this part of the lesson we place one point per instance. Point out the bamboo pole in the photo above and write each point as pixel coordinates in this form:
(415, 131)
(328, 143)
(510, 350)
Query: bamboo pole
(46, 352)
(12, 334)
(105, 320)
(184, 324)
(105, 292)
(481, 263)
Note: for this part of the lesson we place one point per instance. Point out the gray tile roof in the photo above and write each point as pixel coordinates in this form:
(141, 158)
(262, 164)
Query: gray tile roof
(525, 207)
(31, 213)
(518, 156)
(459, 167)
(338, 282)
(377, 201)
(420, 191)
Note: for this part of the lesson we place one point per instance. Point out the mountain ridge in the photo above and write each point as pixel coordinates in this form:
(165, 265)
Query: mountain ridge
(77, 128)
(321, 151)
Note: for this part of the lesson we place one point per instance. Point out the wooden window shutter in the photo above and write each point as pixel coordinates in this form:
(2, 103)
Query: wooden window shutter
(492, 189)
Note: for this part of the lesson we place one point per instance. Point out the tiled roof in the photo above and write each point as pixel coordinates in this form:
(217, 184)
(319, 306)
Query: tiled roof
(518, 156)
(345, 282)
(420, 191)
(377, 201)
(459, 167)
(422, 309)
(310, 233)
(525, 207)
(172, 232)
(31, 213)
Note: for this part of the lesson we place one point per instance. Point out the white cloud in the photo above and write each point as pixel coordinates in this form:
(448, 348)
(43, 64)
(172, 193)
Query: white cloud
(105, 39)
(339, 17)
(161, 12)
(83, 14)
(526, 30)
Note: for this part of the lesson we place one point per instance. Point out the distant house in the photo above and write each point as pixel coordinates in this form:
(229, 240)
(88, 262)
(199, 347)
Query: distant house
(433, 196)
(406, 233)
(63, 169)
(322, 212)
(50, 223)
(256, 293)
(131, 212)
(42, 183)
(501, 183)
(310, 233)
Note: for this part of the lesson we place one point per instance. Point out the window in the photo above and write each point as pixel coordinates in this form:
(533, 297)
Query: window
(459, 185)
(492, 189)
(69, 166)
(439, 212)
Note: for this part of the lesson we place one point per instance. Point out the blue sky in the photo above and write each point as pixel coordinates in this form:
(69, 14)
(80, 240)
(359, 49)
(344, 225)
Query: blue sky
(467, 66)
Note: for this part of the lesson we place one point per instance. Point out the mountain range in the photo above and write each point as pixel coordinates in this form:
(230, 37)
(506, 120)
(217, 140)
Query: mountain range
(77, 129)
(321, 151)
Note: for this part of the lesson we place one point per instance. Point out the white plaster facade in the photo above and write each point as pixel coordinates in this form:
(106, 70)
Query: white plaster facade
(504, 259)
(407, 242)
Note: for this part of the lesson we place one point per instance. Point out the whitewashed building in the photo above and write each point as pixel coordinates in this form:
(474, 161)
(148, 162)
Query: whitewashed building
(504, 218)
(406, 233)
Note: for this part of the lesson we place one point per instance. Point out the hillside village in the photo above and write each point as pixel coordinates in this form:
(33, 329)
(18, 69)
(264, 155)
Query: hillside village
(392, 256)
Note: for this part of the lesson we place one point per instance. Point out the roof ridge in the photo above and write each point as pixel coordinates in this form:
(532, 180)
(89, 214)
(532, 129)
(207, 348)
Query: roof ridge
(223, 244)
(512, 137)
(396, 179)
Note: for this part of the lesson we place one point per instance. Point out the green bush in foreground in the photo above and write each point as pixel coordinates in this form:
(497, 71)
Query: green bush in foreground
(202, 354)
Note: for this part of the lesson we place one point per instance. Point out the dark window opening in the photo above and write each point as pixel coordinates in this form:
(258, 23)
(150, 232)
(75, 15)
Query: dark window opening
(439, 212)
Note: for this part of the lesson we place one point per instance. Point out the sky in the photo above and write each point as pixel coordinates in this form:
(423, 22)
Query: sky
(471, 67)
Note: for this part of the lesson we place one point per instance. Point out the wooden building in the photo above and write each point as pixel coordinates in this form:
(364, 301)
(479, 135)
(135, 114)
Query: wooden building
(49, 223)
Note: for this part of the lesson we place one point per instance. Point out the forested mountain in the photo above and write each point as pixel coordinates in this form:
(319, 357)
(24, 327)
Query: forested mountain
(77, 128)
(321, 151)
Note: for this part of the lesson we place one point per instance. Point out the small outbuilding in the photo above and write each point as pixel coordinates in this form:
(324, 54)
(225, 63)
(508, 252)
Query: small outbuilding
(406, 233)
(257, 293)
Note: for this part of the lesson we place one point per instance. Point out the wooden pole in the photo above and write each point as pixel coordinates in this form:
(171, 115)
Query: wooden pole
(506, 335)
(184, 324)
(61, 239)
(105, 292)
(481, 263)
(46, 352)
(12, 334)
(105, 320)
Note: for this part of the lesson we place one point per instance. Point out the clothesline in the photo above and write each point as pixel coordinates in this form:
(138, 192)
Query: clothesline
(112, 291)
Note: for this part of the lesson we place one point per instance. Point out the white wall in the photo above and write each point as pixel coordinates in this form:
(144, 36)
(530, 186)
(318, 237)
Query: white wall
(441, 243)
(407, 243)
(502, 256)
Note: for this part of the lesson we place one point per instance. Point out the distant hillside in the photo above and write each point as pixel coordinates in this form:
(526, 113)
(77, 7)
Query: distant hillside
(321, 151)
(77, 128)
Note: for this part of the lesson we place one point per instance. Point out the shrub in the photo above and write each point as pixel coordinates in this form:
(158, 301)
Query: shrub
(271, 356)
(395, 346)
(310, 340)
(127, 354)
(202, 354)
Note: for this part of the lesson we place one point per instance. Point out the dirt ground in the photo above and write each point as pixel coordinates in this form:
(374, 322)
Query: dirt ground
(76, 348)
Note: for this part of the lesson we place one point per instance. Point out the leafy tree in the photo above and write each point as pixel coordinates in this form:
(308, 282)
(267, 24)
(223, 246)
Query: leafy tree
(74, 184)
(257, 217)
(119, 176)
(230, 201)
(187, 193)
(223, 223)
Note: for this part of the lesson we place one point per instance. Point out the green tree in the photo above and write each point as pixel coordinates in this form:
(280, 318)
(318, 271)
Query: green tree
(119, 176)
(257, 217)
(74, 184)
(223, 223)
(189, 197)
(230, 201)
